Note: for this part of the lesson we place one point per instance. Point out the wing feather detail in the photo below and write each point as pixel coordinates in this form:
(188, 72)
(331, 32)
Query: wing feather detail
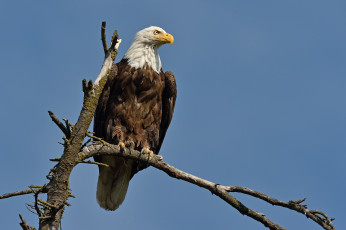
(169, 97)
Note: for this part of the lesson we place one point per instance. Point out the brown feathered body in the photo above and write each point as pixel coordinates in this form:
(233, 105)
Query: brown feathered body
(136, 105)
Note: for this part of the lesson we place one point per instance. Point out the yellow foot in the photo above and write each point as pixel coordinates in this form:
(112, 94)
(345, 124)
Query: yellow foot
(121, 145)
(147, 151)
(151, 153)
(130, 144)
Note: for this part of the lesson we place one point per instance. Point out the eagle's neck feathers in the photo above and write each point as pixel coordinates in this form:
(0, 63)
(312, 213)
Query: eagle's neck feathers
(141, 54)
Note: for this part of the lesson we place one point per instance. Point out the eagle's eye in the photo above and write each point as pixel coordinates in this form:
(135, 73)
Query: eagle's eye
(157, 32)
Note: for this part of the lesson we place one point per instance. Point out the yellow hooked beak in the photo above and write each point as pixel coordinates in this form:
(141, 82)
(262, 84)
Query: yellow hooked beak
(165, 38)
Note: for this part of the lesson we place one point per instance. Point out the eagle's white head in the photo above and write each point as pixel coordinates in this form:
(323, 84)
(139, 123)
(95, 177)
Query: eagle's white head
(143, 50)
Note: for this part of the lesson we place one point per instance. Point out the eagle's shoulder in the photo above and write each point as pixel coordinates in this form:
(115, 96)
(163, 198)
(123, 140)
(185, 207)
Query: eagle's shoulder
(170, 85)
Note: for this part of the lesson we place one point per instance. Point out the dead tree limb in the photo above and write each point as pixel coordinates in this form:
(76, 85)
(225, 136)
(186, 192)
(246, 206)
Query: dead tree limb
(221, 191)
(19, 193)
(103, 37)
(322, 219)
(56, 120)
(33, 189)
(24, 225)
(58, 187)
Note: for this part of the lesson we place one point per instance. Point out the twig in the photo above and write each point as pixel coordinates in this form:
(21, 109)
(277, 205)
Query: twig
(46, 204)
(38, 186)
(84, 162)
(55, 159)
(28, 206)
(56, 120)
(295, 205)
(297, 201)
(94, 162)
(36, 205)
(114, 40)
(86, 143)
(70, 195)
(33, 207)
(68, 126)
(24, 225)
(103, 37)
(19, 193)
(324, 217)
(96, 138)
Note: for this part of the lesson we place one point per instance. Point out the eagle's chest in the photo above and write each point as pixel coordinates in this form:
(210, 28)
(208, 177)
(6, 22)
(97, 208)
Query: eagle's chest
(142, 88)
(137, 107)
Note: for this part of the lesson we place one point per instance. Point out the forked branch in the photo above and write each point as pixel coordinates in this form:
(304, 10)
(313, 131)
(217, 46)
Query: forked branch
(63, 128)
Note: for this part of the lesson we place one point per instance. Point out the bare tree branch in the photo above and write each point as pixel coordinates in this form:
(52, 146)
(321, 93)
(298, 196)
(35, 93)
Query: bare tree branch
(69, 126)
(295, 205)
(219, 190)
(38, 211)
(23, 192)
(103, 37)
(85, 162)
(94, 163)
(24, 225)
(56, 120)
(114, 41)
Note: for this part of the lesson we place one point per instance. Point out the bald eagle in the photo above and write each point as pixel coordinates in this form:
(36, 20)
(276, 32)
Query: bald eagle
(135, 108)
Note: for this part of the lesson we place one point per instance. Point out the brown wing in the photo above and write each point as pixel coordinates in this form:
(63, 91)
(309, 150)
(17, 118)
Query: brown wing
(168, 102)
(100, 114)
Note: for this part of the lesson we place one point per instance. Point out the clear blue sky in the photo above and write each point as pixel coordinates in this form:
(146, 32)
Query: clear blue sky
(261, 104)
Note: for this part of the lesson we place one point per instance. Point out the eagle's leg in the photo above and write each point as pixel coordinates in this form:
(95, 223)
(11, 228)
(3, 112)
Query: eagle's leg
(146, 150)
(127, 144)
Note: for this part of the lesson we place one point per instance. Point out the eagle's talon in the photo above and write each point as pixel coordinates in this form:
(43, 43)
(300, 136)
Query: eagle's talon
(151, 154)
(130, 144)
(121, 145)
(158, 157)
(147, 151)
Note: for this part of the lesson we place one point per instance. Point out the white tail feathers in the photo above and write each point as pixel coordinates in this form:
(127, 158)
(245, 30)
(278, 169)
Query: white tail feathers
(113, 182)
